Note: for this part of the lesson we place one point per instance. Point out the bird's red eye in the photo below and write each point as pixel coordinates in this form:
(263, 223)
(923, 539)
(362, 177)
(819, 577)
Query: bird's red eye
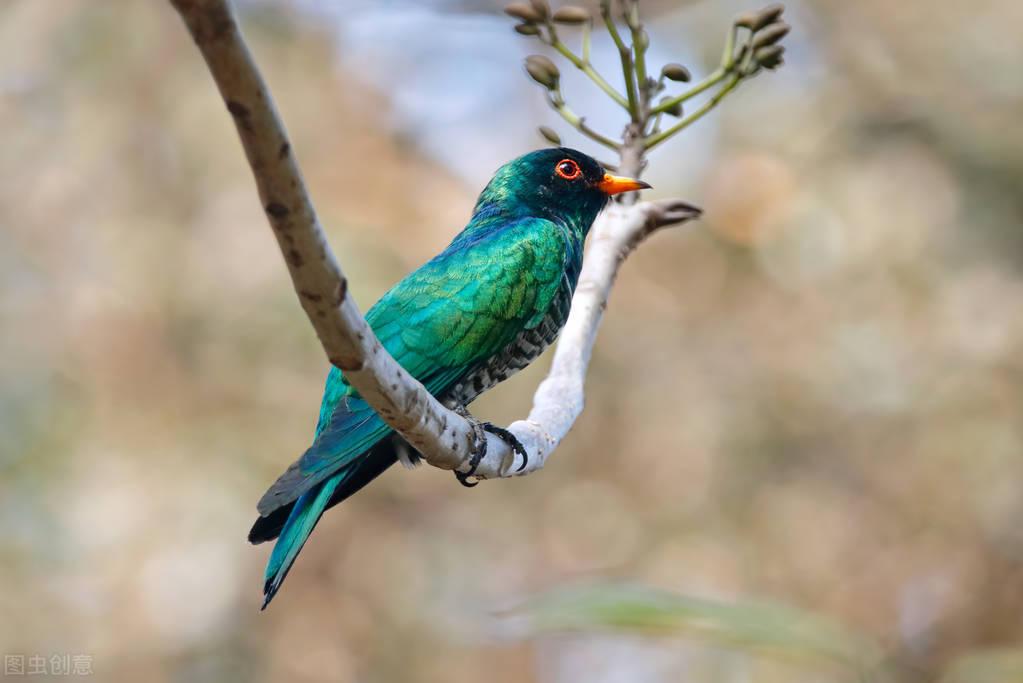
(568, 169)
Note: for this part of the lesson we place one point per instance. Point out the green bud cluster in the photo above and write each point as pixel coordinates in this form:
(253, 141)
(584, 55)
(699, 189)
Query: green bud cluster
(533, 15)
(753, 44)
(766, 29)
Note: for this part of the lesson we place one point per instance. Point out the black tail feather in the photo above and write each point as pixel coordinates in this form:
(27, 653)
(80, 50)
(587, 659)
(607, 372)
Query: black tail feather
(371, 465)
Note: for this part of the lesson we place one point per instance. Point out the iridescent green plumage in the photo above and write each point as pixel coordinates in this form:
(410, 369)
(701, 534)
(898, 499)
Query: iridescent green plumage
(473, 315)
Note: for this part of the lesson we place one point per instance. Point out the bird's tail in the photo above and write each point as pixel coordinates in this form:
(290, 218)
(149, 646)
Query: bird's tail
(305, 512)
(303, 518)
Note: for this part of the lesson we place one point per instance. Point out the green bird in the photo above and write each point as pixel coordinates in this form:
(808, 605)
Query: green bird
(469, 318)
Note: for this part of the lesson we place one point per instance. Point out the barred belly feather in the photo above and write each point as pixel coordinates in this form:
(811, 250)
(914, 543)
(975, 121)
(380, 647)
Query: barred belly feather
(522, 351)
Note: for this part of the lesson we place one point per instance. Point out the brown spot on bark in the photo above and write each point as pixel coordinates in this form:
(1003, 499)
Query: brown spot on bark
(277, 210)
(222, 27)
(237, 109)
(283, 151)
(241, 115)
(311, 296)
(295, 258)
(341, 292)
(221, 23)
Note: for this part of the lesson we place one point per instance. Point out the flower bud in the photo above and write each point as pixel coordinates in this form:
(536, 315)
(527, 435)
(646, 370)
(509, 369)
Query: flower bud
(771, 35)
(769, 57)
(550, 136)
(527, 29)
(676, 72)
(571, 15)
(521, 10)
(746, 20)
(675, 110)
(541, 7)
(642, 40)
(543, 71)
(766, 16)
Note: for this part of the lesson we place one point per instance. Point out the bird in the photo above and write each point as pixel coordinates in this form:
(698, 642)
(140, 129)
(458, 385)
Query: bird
(472, 316)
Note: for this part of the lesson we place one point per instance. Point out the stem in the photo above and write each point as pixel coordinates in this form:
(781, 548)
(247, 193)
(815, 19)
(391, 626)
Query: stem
(587, 27)
(638, 46)
(633, 158)
(656, 127)
(577, 122)
(728, 55)
(625, 52)
(709, 82)
(719, 74)
(585, 66)
(658, 138)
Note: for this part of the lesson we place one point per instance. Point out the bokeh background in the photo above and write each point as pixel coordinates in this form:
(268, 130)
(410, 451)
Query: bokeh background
(810, 401)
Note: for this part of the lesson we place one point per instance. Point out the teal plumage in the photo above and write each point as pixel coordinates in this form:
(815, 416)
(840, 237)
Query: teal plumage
(476, 313)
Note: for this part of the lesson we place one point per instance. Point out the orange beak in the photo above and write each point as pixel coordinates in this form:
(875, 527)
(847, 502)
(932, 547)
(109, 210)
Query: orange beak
(613, 184)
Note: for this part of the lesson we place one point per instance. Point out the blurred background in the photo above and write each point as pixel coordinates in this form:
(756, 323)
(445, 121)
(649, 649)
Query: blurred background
(800, 458)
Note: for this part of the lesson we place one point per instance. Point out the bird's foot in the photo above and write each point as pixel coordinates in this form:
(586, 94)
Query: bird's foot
(479, 448)
(510, 439)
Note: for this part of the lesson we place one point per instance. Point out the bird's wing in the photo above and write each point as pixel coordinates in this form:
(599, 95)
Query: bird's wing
(439, 322)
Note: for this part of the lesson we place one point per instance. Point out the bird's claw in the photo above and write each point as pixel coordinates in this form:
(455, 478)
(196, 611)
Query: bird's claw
(479, 448)
(510, 439)
(463, 479)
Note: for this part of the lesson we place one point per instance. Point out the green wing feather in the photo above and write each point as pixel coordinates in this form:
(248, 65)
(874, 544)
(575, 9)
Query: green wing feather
(440, 322)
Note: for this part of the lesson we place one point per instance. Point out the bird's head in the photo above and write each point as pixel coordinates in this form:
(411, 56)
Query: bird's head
(558, 183)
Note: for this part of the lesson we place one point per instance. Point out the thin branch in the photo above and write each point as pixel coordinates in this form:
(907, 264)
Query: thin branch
(728, 54)
(738, 68)
(707, 83)
(728, 64)
(625, 53)
(698, 113)
(655, 126)
(587, 39)
(578, 122)
(639, 44)
(583, 63)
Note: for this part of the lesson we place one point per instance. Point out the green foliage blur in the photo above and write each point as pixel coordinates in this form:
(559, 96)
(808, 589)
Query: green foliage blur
(801, 457)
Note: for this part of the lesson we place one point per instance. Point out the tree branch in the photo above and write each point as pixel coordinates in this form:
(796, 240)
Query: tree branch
(583, 63)
(557, 103)
(625, 54)
(440, 435)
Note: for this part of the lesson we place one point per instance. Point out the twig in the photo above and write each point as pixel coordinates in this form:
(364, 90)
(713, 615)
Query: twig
(583, 64)
(625, 54)
(657, 138)
(579, 123)
(727, 66)
(639, 45)
(759, 50)
(709, 82)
